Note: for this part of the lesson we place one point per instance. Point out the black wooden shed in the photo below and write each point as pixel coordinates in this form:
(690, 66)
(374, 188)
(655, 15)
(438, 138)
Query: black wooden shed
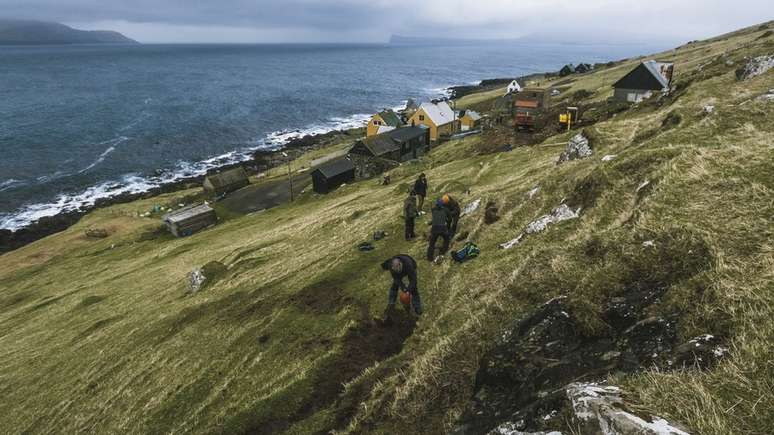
(399, 145)
(330, 175)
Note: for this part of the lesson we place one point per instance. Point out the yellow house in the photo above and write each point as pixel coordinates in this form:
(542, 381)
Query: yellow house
(439, 118)
(470, 120)
(382, 122)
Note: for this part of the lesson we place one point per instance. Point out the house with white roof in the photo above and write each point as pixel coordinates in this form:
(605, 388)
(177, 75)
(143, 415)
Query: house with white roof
(641, 82)
(514, 86)
(438, 117)
(470, 120)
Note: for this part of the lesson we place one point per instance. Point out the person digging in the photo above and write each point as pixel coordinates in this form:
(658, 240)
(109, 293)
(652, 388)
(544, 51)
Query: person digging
(403, 266)
(410, 214)
(440, 223)
(454, 213)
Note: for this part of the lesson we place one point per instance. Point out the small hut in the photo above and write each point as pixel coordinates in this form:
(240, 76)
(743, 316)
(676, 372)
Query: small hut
(470, 120)
(647, 78)
(188, 220)
(226, 181)
(330, 175)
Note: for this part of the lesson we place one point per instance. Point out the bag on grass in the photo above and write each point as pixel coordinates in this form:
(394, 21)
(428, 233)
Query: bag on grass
(468, 251)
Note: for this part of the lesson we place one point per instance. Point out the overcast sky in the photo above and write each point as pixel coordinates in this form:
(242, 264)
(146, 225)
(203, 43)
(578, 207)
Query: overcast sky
(376, 20)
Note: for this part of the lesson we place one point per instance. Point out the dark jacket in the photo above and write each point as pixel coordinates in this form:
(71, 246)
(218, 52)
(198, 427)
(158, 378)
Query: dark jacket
(440, 219)
(420, 186)
(410, 207)
(454, 208)
(409, 270)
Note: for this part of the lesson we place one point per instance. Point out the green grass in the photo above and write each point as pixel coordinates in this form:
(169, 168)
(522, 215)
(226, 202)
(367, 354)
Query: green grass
(100, 336)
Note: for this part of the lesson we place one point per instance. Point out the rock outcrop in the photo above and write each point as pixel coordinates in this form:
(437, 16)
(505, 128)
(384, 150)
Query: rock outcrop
(559, 214)
(577, 148)
(598, 409)
(755, 67)
(527, 382)
(196, 280)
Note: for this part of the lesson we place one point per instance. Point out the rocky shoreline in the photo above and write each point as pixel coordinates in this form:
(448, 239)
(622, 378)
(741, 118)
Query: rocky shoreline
(262, 161)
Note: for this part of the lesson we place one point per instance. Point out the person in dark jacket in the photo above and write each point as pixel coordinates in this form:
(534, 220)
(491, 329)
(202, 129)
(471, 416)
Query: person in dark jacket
(410, 214)
(454, 213)
(420, 187)
(440, 228)
(403, 266)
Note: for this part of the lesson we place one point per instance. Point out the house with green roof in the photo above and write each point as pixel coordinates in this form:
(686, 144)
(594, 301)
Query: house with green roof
(383, 122)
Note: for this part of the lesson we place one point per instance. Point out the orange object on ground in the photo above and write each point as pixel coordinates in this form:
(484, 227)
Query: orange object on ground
(405, 298)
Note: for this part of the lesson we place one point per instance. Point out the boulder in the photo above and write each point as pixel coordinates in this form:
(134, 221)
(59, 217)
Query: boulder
(755, 67)
(196, 280)
(577, 148)
(559, 214)
(768, 96)
(599, 409)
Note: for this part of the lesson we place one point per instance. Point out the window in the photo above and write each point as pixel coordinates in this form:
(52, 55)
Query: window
(421, 117)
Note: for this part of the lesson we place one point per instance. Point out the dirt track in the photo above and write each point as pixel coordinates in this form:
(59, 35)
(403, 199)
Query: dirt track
(262, 196)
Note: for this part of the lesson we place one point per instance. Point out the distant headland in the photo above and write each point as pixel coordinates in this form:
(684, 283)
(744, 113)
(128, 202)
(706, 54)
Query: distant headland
(26, 32)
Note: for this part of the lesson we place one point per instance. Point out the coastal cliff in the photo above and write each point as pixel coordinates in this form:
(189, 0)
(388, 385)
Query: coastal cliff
(26, 32)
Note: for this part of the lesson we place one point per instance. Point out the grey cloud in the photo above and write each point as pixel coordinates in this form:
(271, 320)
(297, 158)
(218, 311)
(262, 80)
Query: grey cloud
(365, 20)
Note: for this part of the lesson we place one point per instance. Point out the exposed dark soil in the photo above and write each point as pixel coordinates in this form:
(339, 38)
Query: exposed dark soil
(364, 345)
(324, 297)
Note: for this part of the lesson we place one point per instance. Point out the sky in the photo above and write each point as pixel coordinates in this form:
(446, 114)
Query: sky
(247, 21)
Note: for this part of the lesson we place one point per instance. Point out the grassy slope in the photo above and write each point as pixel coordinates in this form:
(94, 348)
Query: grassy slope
(98, 335)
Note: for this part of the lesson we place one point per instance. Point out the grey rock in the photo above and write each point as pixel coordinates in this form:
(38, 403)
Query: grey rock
(577, 148)
(600, 409)
(755, 67)
(196, 280)
(510, 428)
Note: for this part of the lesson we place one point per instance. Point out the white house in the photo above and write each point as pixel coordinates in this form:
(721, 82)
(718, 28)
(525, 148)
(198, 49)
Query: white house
(514, 86)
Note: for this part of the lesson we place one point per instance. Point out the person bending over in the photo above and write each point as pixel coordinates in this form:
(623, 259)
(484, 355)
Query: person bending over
(403, 266)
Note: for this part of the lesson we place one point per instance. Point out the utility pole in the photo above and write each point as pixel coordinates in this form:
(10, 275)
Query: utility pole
(290, 175)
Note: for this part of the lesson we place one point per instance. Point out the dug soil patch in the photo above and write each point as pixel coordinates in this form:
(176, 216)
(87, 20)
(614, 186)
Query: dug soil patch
(324, 297)
(365, 344)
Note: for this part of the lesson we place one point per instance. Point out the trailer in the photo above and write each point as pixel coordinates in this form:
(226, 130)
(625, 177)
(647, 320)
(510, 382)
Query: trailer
(529, 104)
(188, 220)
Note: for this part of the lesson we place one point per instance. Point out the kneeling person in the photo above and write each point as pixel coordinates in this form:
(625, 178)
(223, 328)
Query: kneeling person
(403, 266)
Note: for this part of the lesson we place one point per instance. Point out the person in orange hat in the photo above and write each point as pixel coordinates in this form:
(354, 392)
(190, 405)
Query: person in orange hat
(454, 213)
(403, 266)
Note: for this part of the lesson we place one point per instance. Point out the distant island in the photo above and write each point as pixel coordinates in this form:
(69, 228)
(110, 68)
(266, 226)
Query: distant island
(25, 32)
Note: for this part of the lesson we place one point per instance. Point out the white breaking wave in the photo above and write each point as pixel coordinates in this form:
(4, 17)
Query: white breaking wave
(114, 143)
(10, 183)
(443, 92)
(134, 183)
(279, 138)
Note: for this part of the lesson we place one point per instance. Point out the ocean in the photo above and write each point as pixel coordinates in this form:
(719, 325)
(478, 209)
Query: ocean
(80, 123)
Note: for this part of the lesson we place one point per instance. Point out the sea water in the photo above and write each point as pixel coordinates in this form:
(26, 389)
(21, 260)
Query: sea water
(79, 123)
